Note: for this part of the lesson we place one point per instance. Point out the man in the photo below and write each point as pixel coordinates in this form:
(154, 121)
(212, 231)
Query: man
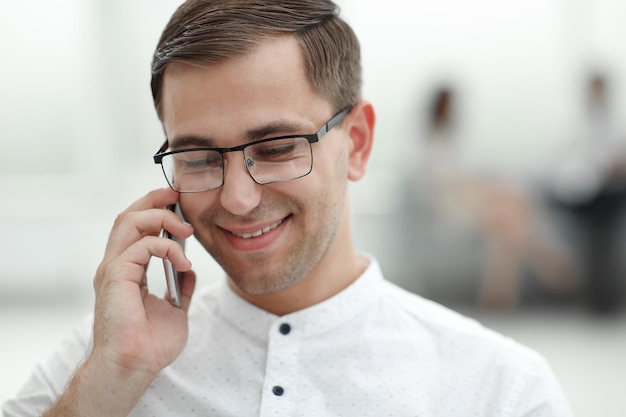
(260, 102)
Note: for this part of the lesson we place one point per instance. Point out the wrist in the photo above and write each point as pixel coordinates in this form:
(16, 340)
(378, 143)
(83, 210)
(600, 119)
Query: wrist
(99, 388)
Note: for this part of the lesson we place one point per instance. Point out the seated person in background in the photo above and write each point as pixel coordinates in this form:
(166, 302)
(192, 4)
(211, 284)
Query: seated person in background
(498, 209)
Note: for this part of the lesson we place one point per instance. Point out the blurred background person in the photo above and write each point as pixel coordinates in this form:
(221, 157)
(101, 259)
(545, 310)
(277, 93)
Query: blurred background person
(590, 184)
(497, 212)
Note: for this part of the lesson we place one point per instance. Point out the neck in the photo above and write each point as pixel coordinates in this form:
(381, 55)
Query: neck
(334, 273)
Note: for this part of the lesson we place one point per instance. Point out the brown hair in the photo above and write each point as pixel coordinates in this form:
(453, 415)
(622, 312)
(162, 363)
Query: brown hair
(205, 32)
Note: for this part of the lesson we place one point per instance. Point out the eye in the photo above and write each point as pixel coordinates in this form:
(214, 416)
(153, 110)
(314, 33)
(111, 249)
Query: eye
(278, 150)
(195, 161)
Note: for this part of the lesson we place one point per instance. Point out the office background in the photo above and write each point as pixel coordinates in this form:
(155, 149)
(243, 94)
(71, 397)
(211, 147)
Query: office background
(78, 131)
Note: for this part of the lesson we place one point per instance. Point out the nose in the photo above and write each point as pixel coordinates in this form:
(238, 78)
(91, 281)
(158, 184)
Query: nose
(239, 194)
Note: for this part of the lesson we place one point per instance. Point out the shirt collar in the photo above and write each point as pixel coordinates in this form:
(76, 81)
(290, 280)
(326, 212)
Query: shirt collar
(333, 312)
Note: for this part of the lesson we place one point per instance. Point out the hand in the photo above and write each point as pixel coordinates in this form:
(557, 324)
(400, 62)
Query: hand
(135, 331)
(136, 334)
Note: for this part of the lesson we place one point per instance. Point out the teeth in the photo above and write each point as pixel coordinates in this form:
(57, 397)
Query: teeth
(259, 232)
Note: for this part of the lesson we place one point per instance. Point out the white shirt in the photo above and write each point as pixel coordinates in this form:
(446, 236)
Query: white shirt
(372, 350)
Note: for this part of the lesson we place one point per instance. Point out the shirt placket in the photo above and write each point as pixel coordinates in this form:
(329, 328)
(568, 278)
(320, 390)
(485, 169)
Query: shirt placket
(280, 385)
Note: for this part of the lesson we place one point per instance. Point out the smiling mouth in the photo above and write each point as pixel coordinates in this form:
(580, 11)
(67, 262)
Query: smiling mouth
(260, 231)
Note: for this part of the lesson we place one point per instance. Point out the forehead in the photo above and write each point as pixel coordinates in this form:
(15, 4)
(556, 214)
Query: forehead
(269, 80)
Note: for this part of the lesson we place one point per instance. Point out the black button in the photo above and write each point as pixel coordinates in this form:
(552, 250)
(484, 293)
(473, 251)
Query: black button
(278, 390)
(284, 328)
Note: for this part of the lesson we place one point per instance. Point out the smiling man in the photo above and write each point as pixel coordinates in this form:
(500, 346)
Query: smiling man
(265, 128)
(285, 245)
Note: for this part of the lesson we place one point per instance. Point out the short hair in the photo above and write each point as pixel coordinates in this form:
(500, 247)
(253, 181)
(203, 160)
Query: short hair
(205, 32)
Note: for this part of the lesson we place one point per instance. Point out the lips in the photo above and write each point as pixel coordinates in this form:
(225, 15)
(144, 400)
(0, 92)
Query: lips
(259, 232)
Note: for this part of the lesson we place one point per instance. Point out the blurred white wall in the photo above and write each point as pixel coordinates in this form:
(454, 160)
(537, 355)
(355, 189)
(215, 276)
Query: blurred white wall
(78, 132)
(78, 127)
(520, 67)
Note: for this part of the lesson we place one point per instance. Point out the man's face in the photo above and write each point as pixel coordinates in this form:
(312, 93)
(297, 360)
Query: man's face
(266, 237)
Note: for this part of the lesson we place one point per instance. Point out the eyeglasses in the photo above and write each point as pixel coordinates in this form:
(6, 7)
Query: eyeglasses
(270, 160)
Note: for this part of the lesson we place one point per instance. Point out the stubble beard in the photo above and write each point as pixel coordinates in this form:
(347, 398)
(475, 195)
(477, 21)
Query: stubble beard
(261, 274)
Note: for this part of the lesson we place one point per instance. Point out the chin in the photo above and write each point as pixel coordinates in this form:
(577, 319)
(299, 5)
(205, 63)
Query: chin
(261, 285)
(267, 276)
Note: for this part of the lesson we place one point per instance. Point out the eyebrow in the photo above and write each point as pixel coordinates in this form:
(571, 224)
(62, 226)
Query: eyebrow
(282, 128)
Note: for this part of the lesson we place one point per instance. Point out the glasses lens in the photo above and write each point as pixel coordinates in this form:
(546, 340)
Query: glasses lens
(194, 171)
(279, 160)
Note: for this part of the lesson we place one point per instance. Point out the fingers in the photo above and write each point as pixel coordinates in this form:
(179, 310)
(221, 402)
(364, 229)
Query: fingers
(160, 198)
(133, 240)
(136, 225)
(146, 217)
(131, 264)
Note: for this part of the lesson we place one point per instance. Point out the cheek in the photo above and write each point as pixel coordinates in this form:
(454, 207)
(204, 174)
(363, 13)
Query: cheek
(193, 205)
(331, 183)
(331, 160)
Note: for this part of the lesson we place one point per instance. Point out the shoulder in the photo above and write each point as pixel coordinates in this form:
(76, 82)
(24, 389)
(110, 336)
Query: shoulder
(462, 354)
(450, 331)
(50, 376)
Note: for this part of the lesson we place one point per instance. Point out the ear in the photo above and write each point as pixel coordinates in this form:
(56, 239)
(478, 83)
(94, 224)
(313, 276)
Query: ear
(360, 125)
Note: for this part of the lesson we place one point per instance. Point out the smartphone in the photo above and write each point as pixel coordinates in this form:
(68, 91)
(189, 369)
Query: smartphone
(171, 275)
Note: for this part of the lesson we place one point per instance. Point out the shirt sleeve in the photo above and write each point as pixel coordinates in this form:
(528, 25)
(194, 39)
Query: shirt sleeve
(538, 394)
(49, 378)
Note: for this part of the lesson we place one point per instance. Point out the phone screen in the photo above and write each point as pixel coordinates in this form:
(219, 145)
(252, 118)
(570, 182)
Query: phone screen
(171, 275)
